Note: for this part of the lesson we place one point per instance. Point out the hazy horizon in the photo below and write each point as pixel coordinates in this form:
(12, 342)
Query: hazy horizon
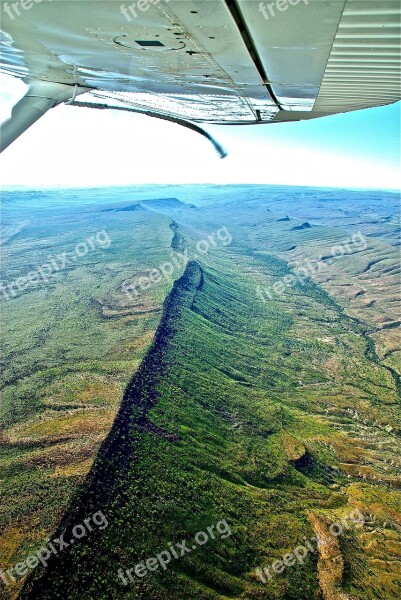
(71, 147)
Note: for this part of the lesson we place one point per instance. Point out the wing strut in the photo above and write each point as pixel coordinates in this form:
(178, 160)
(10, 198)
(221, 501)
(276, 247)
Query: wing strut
(40, 97)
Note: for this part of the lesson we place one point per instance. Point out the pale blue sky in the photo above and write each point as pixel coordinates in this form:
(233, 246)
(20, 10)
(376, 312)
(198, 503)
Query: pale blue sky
(82, 147)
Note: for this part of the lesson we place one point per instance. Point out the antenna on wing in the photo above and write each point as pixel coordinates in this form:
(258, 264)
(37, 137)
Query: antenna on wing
(219, 149)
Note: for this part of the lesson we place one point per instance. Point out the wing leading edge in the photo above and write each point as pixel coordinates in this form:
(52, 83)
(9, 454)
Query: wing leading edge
(214, 61)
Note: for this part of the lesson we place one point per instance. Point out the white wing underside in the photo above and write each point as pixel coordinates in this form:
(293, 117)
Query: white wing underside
(213, 61)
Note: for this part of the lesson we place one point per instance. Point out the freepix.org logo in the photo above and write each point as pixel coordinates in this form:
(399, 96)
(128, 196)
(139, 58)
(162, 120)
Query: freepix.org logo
(177, 261)
(311, 545)
(16, 8)
(54, 265)
(271, 9)
(175, 551)
(301, 274)
(140, 6)
(53, 547)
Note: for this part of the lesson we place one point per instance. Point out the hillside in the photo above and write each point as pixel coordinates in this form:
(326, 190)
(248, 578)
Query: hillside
(224, 365)
(215, 427)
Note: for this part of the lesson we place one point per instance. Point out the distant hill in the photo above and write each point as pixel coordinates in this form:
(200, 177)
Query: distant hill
(166, 203)
(130, 208)
(305, 225)
(158, 205)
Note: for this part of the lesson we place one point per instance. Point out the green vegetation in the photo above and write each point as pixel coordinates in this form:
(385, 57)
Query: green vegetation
(280, 417)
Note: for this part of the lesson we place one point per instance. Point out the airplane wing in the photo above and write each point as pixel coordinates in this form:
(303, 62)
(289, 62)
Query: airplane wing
(204, 61)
